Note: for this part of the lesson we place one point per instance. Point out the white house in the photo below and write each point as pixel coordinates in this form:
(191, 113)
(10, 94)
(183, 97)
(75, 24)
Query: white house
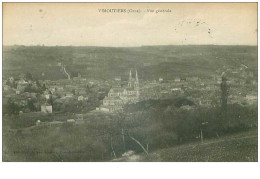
(70, 120)
(46, 108)
(80, 98)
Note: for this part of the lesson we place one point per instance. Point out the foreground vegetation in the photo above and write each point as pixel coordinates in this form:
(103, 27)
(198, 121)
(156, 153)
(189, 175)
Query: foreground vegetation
(239, 147)
(103, 137)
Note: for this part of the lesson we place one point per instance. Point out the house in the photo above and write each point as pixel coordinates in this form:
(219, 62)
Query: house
(164, 92)
(80, 98)
(22, 82)
(219, 80)
(70, 120)
(46, 108)
(69, 95)
(6, 87)
(187, 107)
(175, 89)
(82, 92)
(177, 79)
(254, 82)
(47, 96)
(251, 97)
(103, 108)
(59, 88)
(117, 78)
(110, 108)
(54, 123)
(21, 87)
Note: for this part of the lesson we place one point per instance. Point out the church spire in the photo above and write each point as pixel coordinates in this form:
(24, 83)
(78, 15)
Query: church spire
(136, 80)
(130, 76)
(130, 79)
(136, 76)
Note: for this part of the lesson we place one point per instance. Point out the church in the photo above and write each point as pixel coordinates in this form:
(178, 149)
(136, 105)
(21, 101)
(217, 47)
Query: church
(119, 96)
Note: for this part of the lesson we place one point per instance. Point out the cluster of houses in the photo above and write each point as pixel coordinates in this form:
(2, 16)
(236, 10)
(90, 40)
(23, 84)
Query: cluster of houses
(205, 91)
(42, 93)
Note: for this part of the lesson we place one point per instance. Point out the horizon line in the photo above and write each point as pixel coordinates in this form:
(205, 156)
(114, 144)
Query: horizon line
(129, 46)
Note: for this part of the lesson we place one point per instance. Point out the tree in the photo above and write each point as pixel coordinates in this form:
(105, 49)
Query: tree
(38, 84)
(74, 92)
(12, 108)
(50, 100)
(31, 105)
(28, 76)
(43, 87)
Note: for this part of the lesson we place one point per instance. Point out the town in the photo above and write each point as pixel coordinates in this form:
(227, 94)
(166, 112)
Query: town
(77, 96)
(103, 104)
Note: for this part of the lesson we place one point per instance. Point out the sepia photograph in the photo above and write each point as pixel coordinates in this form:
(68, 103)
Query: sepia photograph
(129, 82)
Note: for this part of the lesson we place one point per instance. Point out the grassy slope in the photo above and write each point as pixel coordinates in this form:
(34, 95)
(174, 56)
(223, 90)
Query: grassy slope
(241, 147)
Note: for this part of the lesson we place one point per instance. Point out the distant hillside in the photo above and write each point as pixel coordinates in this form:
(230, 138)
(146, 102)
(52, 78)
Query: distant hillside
(151, 62)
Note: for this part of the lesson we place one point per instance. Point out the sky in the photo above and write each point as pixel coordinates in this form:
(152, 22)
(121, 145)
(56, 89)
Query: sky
(85, 24)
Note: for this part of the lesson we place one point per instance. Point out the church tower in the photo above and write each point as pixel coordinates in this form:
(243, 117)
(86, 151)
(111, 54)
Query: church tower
(136, 86)
(130, 79)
